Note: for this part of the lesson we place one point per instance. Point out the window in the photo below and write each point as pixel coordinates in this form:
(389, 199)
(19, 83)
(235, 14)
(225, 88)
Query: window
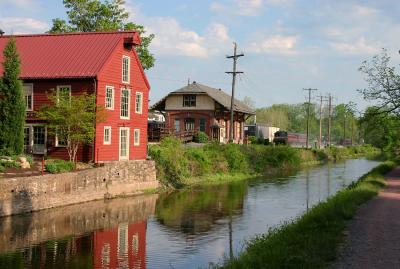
(122, 240)
(125, 96)
(109, 97)
(177, 125)
(124, 143)
(189, 100)
(28, 90)
(189, 124)
(139, 102)
(125, 69)
(202, 125)
(63, 92)
(61, 139)
(136, 137)
(27, 136)
(107, 135)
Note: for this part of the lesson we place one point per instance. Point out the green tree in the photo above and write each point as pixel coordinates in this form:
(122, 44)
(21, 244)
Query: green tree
(72, 119)
(12, 104)
(383, 84)
(97, 15)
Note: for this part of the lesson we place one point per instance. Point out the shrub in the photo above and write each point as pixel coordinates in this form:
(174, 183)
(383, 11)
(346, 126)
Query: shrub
(201, 137)
(9, 164)
(58, 166)
(252, 139)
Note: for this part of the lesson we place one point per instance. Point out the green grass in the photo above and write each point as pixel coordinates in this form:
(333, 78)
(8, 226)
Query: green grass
(58, 166)
(178, 166)
(312, 240)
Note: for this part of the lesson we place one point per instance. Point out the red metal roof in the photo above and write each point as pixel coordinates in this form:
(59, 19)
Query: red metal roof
(72, 55)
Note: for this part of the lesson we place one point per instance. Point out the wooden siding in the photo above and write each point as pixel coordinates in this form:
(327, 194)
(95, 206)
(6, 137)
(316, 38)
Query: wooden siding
(203, 102)
(111, 75)
(41, 89)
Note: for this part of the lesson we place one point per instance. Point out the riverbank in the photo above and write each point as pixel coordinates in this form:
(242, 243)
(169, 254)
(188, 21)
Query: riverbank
(179, 166)
(311, 241)
(373, 239)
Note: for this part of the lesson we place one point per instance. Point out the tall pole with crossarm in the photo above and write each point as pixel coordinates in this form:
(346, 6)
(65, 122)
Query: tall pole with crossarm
(235, 56)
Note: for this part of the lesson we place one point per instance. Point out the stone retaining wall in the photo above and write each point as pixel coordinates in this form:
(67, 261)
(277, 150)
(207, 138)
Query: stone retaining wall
(27, 194)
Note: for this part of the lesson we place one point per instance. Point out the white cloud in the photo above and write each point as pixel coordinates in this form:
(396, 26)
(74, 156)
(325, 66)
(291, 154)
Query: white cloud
(276, 44)
(19, 25)
(171, 38)
(239, 7)
(359, 47)
(249, 7)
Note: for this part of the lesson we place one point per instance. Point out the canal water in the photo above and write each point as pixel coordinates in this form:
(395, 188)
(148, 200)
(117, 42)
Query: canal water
(182, 229)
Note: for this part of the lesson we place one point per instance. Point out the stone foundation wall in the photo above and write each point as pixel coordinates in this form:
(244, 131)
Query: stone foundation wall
(27, 194)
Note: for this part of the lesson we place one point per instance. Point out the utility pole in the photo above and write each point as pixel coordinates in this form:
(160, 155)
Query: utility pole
(320, 120)
(308, 113)
(235, 56)
(329, 119)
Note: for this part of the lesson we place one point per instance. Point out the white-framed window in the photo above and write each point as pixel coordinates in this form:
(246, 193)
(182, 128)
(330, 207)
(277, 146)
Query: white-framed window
(28, 91)
(109, 98)
(126, 66)
(107, 135)
(61, 139)
(125, 103)
(124, 143)
(63, 91)
(139, 103)
(136, 137)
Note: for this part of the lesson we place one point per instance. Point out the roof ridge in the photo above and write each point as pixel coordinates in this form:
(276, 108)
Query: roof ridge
(70, 33)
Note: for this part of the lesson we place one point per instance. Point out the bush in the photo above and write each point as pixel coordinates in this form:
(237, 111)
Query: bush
(58, 166)
(9, 164)
(252, 139)
(201, 137)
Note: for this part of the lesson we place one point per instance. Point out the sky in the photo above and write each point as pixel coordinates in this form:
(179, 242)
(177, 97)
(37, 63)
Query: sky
(288, 45)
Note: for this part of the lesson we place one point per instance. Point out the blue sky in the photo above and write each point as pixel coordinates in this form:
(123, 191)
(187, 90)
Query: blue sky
(288, 44)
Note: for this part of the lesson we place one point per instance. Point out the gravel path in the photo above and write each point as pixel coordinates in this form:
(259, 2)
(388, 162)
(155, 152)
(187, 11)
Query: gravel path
(374, 234)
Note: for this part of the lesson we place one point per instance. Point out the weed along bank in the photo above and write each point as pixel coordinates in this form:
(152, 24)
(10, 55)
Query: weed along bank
(100, 74)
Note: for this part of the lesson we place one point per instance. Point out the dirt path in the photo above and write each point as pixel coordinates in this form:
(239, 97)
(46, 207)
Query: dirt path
(374, 234)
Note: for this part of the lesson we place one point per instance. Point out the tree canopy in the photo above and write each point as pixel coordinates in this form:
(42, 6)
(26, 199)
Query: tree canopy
(383, 84)
(12, 103)
(97, 15)
(72, 119)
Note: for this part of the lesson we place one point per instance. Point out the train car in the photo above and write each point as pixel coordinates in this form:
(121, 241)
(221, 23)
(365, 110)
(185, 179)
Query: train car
(293, 139)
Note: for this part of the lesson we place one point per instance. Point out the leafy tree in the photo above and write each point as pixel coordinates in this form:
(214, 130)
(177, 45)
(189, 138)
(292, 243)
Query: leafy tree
(383, 84)
(72, 119)
(12, 104)
(381, 130)
(97, 15)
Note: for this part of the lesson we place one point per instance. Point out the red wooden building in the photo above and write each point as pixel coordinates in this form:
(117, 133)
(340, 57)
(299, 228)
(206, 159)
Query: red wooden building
(104, 63)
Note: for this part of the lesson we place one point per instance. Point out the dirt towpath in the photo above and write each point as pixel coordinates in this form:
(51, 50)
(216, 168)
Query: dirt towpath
(374, 233)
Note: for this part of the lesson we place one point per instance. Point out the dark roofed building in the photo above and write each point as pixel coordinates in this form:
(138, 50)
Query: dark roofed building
(198, 107)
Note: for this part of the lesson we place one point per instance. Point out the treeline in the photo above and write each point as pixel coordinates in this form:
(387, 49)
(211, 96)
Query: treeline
(293, 118)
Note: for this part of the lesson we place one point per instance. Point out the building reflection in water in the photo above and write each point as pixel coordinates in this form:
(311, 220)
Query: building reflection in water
(100, 235)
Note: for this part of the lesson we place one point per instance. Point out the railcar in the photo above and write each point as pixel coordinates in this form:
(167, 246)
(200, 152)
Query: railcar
(297, 140)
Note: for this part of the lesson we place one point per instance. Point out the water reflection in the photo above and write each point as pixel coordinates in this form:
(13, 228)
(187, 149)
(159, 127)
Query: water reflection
(183, 229)
(98, 234)
(195, 211)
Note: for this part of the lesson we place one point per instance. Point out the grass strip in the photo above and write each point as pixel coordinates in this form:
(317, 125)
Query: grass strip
(312, 240)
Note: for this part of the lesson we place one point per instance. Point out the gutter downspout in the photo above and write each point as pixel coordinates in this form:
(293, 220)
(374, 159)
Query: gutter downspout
(95, 125)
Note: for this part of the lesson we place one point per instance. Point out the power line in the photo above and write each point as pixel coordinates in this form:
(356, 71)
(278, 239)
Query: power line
(235, 56)
(308, 113)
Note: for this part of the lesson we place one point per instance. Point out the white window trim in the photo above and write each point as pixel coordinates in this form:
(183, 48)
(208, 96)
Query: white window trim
(113, 98)
(129, 104)
(56, 142)
(127, 144)
(129, 69)
(31, 85)
(109, 135)
(63, 86)
(141, 103)
(134, 137)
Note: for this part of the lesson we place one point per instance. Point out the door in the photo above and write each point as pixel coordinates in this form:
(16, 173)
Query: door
(123, 143)
(189, 124)
(39, 140)
(27, 139)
